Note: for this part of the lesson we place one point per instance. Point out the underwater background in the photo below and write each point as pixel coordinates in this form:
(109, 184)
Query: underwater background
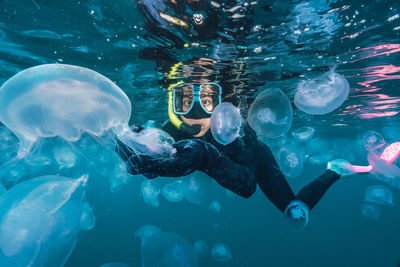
(281, 44)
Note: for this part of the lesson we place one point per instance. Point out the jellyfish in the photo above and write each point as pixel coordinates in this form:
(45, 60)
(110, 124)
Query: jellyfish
(221, 252)
(115, 264)
(323, 94)
(201, 248)
(151, 191)
(225, 123)
(303, 134)
(215, 206)
(379, 194)
(65, 157)
(270, 115)
(145, 231)
(66, 101)
(40, 220)
(370, 210)
(290, 161)
(168, 250)
(372, 140)
(381, 168)
(173, 192)
(197, 188)
(297, 215)
(8, 145)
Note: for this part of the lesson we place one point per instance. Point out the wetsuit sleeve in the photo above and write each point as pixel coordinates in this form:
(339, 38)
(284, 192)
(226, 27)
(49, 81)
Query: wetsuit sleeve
(275, 186)
(238, 178)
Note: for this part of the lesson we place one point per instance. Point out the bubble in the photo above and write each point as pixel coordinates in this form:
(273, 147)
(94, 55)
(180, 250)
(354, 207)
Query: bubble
(221, 252)
(297, 215)
(174, 192)
(225, 123)
(323, 94)
(145, 231)
(370, 210)
(379, 194)
(215, 206)
(115, 264)
(40, 221)
(270, 114)
(290, 161)
(201, 248)
(372, 140)
(303, 134)
(168, 250)
(150, 192)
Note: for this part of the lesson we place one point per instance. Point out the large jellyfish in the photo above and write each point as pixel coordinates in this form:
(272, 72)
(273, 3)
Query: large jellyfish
(270, 114)
(66, 101)
(379, 194)
(40, 220)
(225, 123)
(323, 94)
(221, 252)
(290, 161)
(372, 140)
(168, 250)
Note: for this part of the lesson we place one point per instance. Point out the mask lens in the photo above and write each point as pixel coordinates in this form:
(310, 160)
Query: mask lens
(183, 98)
(210, 96)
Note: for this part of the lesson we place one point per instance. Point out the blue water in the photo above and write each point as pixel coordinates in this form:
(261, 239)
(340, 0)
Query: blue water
(280, 44)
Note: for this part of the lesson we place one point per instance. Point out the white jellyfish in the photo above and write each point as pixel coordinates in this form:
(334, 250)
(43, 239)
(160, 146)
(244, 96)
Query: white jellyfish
(174, 192)
(225, 123)
(201, 248)
(197, 188)
(221, 252)
(145, 231)
(270, 114)
(379, 194)
(215, 206)
(370, 210)
(66, 101)
(297, 215)
(40, 220)
(303, 134)
(323, 94)
(65, 157)
(151, 191)
(372, 140)
(290, 161)
(168, 250)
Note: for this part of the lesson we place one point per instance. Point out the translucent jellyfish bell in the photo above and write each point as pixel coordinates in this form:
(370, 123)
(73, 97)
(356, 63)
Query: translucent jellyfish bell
(372, 140)
(379, 194)
(151, 191)
(290, 161)
(61, 100)
(40, 220)
(303, 134)
(297, 215)
(270, 114)
(168, 250)
(145, 231)
(225, 123)
(322, 95)
(174, 192)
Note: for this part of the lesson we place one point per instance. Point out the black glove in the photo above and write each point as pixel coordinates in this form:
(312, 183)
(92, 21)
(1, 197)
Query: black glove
(190, 155)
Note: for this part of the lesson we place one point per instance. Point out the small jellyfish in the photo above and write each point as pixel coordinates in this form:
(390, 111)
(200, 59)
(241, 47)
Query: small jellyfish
(221, 252)
(270, 115)
(225, 123)
(173, 192)
(303, 134)
(372, 140)
(379, 194)
(168, 250)
(197, 188)
(322, 95)
(65, 157)
(115, 264)
(88, 220)
(119, 176)
(370, 210)
(297, 215)
(290, 161)
(145, 231)
(12, 173)
(201, 248)
(215, 206)
(150, 192)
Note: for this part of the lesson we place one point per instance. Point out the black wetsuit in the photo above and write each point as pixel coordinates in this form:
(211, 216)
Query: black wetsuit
(246, 162)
